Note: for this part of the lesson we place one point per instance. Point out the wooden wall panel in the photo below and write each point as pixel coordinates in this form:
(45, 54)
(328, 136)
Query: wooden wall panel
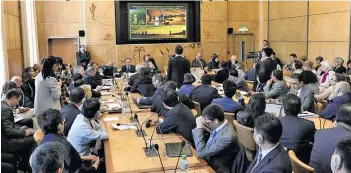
(13, 38)
(284, 9)
(75, 11)
(61, 12)
(64, 48)
(62, 30)
(288, 29)
(93, 32)
(329, 50)
(322, 7)
(284, 49)
(48, 11)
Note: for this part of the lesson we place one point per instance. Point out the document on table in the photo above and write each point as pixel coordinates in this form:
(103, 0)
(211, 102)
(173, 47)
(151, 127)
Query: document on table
(124, 127)
(105, 93)
(111, 119)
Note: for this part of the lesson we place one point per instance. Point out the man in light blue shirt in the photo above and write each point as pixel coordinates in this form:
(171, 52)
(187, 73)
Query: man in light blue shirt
(85, 130)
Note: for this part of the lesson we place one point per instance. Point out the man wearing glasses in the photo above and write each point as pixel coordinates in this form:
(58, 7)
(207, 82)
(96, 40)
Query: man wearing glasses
(303, 92)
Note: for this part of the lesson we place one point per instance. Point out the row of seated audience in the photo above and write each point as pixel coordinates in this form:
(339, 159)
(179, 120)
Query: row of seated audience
(79, 119)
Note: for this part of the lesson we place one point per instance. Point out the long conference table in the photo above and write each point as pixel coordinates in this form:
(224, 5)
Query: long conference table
(124, 150)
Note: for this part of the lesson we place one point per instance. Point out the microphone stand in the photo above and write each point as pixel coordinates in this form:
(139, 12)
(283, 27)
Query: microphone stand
(150, 151)
(156, 147)
(141, 132)
(132, 120)
(181, 149)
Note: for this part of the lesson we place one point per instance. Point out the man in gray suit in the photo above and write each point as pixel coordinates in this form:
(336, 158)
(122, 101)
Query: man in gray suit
(303, 91)
(276, 87)
(221, 148)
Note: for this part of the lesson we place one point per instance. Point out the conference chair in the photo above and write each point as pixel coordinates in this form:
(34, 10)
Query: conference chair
(245, 135)
(197, 108)
(321, 123)
(321, 105)
(298, 166)
(194, 112)
(38, 136)
(250, 85)
(230, 117)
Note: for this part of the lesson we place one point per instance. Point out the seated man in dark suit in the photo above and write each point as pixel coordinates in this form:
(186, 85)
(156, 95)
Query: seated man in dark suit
(179, 119)
(133, 78)
(171, 85)
(70, 111)
(89, 78)
(271, 156)
(128, 68)
(276, 87)
(198, 61)
(143, 84)
(205, 93)
(222, 74)
(341, 159)
(227, 102)
(326, 140)
(305, 93)
(52, 125)
(232, 63)
(221, 148)
(293, 139)
(343, 95)
(14, 139)
(338, 65)
(158, 82)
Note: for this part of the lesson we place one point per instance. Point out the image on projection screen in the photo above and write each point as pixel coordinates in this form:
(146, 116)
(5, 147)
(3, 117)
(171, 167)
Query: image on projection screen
(157, 21)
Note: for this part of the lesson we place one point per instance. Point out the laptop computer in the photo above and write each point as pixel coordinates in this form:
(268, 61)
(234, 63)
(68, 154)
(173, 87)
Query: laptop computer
(173, 149)
(274, 109)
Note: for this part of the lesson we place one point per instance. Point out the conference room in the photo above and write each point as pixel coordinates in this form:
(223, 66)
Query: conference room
(175, 86)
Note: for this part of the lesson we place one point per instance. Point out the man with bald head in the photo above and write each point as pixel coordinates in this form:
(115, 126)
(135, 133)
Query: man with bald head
(231, 64)
(342, 95)
(25, 100)
(37, 69)
(198, 62)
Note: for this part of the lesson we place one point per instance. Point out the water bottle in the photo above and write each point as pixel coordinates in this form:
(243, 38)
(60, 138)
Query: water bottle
(184, 164)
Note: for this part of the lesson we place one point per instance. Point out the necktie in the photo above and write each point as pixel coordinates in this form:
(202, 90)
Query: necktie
(213, 135)
(257, 161)
(127, 68)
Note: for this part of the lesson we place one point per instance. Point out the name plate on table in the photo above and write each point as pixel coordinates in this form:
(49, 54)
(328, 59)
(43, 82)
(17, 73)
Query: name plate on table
(114, 108)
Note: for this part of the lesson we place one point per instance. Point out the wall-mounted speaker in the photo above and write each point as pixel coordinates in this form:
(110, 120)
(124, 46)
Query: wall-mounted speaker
(81, 33)
(230, 30)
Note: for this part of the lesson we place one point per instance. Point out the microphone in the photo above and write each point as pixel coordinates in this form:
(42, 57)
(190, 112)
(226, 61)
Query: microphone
(141, 126)
(132, 118)
(148, 124)
(130, 107)
(156, 147)
(149, 150)
(181, 148)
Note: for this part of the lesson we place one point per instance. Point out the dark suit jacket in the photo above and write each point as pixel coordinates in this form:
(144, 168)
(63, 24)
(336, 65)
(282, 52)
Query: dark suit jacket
(306, 96)
(324, 146)
(72, 161)
(333, 106)
(28, 89)
(265, 69)
(340, 70)
(228, 104)
(204, 95)
(151, 99)
(250, 75)
(221, 150)
(182, 98)
(91, 80)
(297, 140)
(276, 161)
(69, 113)
(83, 58)
(131, 69)
(196, 63)
(221, 75)
(144, 86)
(179, 120)
(11, 135)
(132, 79)
(230, 66)
(177, 67)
